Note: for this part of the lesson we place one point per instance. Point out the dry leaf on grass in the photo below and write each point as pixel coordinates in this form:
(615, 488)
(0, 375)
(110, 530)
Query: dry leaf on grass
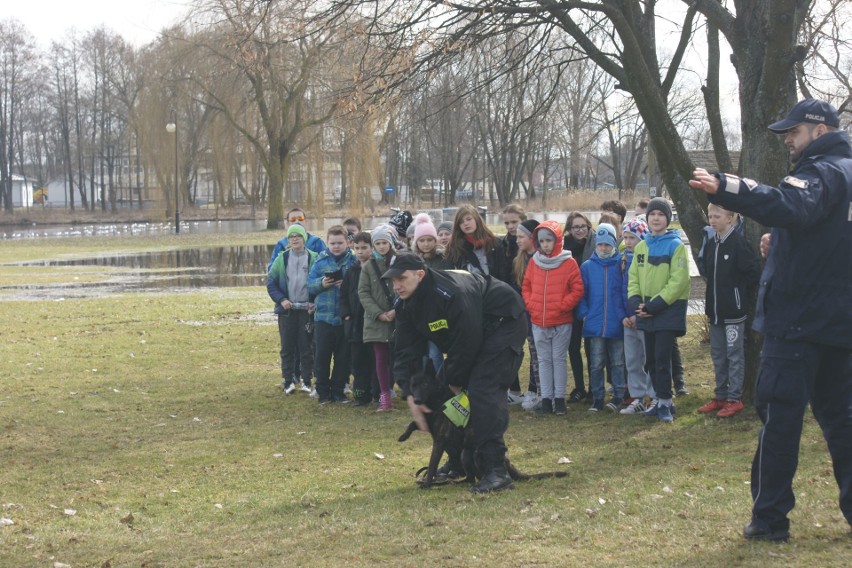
(4, 522)
(70, 512)
(563, 459)
(379, 456)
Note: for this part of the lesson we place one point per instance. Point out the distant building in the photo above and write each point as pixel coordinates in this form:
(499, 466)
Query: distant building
(22, 191)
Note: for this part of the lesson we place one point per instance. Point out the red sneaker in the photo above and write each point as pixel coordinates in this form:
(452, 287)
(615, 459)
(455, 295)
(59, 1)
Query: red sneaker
(731, 407)
(712, 406)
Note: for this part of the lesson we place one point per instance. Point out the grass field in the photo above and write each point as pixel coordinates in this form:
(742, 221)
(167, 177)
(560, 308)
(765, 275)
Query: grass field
(149, 430)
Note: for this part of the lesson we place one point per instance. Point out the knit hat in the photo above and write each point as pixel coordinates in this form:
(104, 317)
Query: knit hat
(297, 229)
(605, 235)
(423, 227)
(409, 232)
(528, 226)
(636, 226)
(384, 232)
(662, 205)
(545, 232)
(446, 226)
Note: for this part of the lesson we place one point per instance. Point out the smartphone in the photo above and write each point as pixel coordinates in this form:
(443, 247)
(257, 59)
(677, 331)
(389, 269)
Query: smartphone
(334, 276)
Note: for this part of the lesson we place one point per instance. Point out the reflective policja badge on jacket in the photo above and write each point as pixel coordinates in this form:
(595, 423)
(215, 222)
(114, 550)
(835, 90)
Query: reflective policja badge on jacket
(437, 325)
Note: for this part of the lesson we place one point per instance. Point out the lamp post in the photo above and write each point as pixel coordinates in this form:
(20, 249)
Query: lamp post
(171, 128)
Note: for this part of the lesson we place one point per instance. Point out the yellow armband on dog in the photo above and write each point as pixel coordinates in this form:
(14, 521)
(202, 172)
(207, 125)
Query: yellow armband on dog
(457, 409)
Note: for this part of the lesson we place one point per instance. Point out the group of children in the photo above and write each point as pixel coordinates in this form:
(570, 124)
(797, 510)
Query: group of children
(619, 293)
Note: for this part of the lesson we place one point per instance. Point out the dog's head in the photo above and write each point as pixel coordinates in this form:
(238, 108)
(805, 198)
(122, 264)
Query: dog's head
(425, 384)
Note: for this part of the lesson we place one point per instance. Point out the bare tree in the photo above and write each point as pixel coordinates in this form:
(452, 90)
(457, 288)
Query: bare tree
(17, 63)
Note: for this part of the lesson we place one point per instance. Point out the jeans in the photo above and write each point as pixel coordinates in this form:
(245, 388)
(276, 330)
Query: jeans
(575, 354)
(728, 354)
(435, 356)
(295, 345)
(551, 345)
(330, 342)
(639, 383)
(601, 351)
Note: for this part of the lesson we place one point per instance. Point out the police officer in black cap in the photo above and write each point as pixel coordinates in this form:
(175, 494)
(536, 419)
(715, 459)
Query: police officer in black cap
(480, 323)
(804, 307)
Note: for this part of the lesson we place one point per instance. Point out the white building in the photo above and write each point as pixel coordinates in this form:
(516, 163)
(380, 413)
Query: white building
(22, 191)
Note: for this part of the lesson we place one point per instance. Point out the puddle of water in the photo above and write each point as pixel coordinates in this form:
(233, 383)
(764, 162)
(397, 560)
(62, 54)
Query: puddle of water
(176, 270)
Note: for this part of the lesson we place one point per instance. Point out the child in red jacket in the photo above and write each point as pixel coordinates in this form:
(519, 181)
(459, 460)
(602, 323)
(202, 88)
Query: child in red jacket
(552, 288)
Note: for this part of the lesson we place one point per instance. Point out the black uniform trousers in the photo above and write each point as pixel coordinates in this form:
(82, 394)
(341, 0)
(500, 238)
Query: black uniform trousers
(791, 374)
(496, 366)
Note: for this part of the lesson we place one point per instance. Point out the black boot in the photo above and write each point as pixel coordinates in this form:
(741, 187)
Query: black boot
(546, 406)
(495, 479)
(559, 406)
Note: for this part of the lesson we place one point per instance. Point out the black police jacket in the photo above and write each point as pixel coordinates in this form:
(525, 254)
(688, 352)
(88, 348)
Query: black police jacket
(806, 287)
(455, 310)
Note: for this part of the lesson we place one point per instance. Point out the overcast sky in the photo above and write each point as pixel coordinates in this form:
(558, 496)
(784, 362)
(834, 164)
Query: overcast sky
(137, 21)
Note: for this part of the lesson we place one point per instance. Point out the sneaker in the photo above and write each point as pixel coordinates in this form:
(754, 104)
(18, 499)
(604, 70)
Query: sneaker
(546, 406)
(306, 388)
(681, 391)
(577, 395)
(533, 403)
(754, 531)
(614, 404)
(596, 406)
(664, 413)
(360, 403)
(385, 403)
(635, 407)
(314, 393)
(712, 406)
(559, 407)
(324, 401)
(340, 399)
(291, 388)
(346, 389)
(651, 409)
(731, 407)
(515, 398)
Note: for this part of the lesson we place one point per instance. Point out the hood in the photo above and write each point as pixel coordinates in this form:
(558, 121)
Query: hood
(835, 143)
(669, 235)
(556, 228)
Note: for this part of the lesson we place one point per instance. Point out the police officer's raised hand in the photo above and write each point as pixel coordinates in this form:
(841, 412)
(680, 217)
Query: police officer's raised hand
(703, 180)
(418, 413)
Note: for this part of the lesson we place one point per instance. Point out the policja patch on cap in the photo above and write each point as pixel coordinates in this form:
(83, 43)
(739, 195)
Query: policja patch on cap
(812, 111)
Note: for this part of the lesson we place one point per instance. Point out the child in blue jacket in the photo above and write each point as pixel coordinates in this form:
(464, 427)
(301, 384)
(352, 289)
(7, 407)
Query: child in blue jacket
(602, 310)
(324, 283)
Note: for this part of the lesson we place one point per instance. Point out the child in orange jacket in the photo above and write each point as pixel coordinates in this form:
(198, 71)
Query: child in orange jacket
(552, 288)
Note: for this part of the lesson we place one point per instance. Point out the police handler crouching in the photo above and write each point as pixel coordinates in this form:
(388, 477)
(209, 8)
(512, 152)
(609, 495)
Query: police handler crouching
(480, 324)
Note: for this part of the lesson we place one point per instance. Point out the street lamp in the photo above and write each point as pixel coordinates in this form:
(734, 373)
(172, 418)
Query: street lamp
(171, 128)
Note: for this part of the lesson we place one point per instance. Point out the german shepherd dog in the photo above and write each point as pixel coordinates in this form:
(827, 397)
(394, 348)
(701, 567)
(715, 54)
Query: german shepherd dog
(431, 392)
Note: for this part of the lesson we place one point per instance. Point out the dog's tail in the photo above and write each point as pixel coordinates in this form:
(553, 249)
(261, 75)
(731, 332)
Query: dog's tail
(519, 476)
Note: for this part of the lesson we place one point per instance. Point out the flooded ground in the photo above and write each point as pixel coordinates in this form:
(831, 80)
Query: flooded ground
(160, 271)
